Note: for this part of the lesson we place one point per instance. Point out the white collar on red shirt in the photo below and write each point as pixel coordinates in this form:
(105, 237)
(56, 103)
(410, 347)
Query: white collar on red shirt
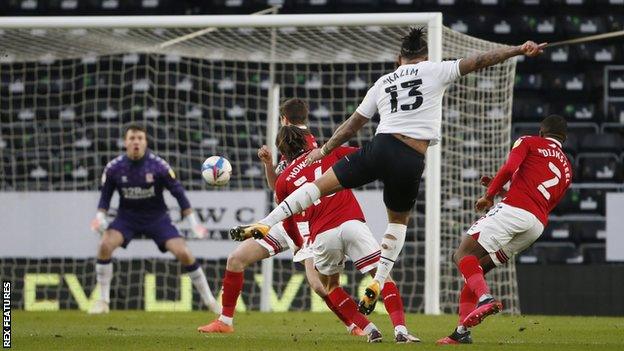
(556, 141)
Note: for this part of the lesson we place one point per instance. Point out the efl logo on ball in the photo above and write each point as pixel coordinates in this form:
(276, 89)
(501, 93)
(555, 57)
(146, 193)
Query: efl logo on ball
(216, 170)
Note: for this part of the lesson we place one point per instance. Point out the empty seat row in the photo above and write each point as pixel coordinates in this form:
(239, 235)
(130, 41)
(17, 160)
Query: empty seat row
(563, 253)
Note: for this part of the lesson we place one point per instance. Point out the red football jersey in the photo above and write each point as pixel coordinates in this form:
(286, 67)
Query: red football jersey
(329, 211)
(540, 175)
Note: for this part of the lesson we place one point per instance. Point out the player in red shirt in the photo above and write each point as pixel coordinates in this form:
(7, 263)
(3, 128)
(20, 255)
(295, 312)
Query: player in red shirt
(540, 174)
(282, 237)
(337, 230)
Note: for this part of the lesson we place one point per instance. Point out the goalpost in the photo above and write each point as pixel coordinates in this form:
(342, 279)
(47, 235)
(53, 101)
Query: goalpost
(212, 84)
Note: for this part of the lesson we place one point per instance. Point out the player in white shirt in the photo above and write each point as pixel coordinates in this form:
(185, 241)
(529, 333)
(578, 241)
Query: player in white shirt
(409, 102)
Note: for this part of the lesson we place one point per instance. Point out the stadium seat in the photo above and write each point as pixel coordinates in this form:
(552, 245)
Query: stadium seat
(571, 82)
(579, 112)
(569, 202)
(581, 25)
(592, 201)
(557, 230)
(590, 230)
(528, 81)
(538, 25)
(615, 111)
(601, 142)
(571, 144)
(557, 253)
(532, 109)
(599, 167)
(598, 53)
(580, 129)
(593, 253)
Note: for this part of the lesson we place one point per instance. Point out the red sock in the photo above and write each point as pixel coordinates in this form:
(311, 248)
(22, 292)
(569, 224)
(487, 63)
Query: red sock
(232, 286)
(337, 312)
(345, 304)
(394, 303)
(467, 302)
(473, 274)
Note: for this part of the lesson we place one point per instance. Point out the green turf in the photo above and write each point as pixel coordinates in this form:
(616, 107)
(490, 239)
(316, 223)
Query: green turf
(71, 330)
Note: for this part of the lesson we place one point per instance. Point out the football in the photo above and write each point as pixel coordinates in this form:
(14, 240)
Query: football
(216, 170)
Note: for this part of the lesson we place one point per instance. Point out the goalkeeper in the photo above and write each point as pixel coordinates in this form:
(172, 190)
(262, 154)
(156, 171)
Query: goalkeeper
(140, 178)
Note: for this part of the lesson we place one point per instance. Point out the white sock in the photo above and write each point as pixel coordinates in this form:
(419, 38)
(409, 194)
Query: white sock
(351, 327)
(369, 328)
(461, 329)
(226, 320)
(201, 284)
(390, 250)
(294, 203)
(104, 275)
(400, 329)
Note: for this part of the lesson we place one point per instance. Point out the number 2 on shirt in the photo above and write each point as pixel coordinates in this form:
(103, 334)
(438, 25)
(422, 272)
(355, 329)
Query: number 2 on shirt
(550, 182)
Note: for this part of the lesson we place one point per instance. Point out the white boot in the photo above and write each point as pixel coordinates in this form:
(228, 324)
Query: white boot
(99, 307)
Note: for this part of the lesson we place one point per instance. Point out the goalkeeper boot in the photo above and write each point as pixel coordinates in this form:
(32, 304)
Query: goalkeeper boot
(374, 336)
(243, 232)
(456, 338)
(484, 308)
(402, 338)
(369, 300)
(216, 326)
(99, 307)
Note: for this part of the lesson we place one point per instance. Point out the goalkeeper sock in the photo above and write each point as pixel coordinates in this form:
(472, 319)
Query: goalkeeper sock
(473, 274)
(232, 286)
(337, 312)
(294, 203)
(467, 303)
(196, 273)
(390, 250)
(345, 304)
(104, 275)
(394, 306)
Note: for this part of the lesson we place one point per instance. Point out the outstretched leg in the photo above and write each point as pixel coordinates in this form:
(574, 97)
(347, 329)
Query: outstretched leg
(294, 203)
(247, 253)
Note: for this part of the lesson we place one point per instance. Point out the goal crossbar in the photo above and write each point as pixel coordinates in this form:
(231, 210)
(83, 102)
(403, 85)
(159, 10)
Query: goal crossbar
(431, 19)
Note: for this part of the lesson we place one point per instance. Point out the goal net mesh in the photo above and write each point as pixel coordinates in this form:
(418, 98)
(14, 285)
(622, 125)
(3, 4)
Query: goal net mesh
(66, 95)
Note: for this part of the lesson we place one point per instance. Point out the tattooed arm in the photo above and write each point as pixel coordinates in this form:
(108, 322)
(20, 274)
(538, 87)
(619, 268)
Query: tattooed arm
(492, 57)
(343, 133)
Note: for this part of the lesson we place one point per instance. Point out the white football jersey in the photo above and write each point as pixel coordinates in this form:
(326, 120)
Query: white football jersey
(409, 100)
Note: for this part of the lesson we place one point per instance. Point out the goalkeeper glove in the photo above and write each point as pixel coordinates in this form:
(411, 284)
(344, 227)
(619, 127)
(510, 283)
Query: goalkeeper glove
(99, 224)
(199, 231)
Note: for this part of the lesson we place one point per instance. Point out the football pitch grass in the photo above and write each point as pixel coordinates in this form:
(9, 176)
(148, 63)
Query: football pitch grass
(136, 330)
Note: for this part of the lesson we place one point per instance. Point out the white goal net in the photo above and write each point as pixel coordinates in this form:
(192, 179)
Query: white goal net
(68, 90)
